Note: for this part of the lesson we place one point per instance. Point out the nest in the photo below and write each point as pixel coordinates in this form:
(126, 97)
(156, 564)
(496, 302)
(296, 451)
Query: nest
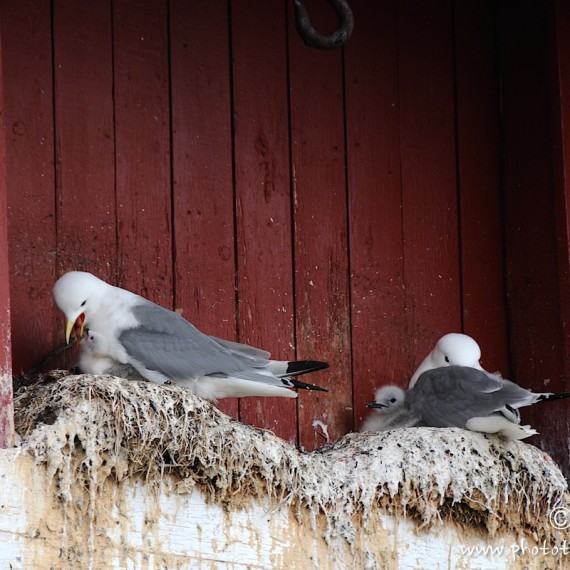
(90, 430)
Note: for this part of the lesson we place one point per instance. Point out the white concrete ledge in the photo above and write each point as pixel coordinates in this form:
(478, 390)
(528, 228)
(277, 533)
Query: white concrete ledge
(134, 526)
(122, 474)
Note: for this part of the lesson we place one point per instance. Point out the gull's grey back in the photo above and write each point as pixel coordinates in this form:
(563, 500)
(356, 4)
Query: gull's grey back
(452, 395)
(167, 343)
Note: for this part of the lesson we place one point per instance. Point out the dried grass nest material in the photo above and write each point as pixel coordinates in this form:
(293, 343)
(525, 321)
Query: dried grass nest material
(96, 428)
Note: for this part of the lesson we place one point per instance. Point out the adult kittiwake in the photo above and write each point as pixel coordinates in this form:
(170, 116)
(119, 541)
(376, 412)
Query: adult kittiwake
(456, 349)
(466, 397)
(161, 345)
(389, 411)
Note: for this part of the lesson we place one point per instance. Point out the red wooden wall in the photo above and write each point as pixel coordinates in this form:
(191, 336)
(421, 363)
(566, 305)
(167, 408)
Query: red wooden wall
(351, 205)
(6, 408)
(536, 237)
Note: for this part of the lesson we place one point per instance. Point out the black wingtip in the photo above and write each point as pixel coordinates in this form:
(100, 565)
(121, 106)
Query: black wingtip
(300, 367)
(553, 396)
(305, 386)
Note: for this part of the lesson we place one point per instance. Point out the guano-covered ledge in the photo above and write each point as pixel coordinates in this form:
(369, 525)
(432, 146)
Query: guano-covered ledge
(111, 473)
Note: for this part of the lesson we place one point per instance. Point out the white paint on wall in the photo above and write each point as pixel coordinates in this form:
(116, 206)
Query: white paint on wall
(135, 526)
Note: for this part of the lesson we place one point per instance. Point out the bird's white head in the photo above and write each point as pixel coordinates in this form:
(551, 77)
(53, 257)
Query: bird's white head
(452, 349)
(388, 398)
(78, 294)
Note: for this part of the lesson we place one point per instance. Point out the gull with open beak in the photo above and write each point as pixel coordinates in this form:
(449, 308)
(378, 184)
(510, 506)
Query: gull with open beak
(161, 345)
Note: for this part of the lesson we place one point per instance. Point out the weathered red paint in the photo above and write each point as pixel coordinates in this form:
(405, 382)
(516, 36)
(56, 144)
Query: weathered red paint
(203, 195)
(428, 170)
(263, 208)
(479, 170)
(560, 74)
(36, 326)
(379, 345)
(353, 198)
(84, 135)
(142, 147)
(6, 405)
(320, 248)
(560, 119)
(537, 335)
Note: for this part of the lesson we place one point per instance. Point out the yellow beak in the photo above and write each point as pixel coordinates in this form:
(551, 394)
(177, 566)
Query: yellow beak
(69, 327)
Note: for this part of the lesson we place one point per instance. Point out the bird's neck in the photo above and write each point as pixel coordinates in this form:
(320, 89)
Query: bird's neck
(112, 313)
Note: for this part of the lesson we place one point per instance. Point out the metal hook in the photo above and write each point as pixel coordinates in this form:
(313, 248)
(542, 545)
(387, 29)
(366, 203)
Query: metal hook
(314, 39)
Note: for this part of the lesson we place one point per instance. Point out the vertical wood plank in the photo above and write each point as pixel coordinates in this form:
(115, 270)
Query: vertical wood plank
(265, 270)
(427, 129)
(479, 154)
(85, 137)
(375, 203)
(537, 337)
(322, 310)
(84, 151)
(202, 169)
(28, 116)
(560, 73)
(560, 70)
(142, 125)
(6, 400)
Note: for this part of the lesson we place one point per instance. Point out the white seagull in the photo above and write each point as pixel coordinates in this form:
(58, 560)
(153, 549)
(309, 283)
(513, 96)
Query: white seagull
(161, 345)
(451, 388)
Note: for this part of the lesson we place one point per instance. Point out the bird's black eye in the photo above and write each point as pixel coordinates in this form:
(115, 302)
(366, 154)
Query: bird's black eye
(392, 400)
(83, 304)
(447, 359)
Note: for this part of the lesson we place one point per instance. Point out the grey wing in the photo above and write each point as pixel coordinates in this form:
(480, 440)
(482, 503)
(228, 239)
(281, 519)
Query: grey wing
(452, 395)
(165, 342)
(517, 395)
(255, 354)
